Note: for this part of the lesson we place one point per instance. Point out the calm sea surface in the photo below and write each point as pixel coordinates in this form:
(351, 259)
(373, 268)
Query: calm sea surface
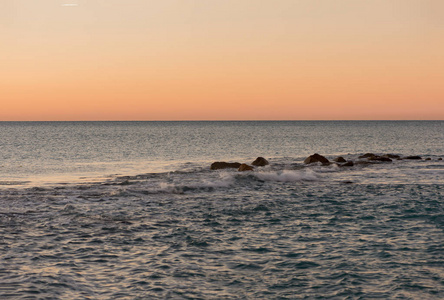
(131, 210)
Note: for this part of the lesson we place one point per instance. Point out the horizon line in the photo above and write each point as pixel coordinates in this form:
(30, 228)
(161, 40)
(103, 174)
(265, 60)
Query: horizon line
(289, 120)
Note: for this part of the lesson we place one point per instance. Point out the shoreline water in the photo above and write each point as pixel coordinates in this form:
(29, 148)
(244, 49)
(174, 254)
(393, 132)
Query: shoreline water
(372, 230)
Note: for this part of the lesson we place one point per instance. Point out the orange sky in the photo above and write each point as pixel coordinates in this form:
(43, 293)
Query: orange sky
(221, 60)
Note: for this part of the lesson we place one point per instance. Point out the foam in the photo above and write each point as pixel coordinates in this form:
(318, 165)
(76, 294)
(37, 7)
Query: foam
(229, 179)
(288, 175)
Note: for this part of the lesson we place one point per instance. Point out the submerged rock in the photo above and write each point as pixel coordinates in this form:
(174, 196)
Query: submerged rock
(339, 159)
(367, 155)
(372, 156)
(316, 158)
(218, 165)
(379, 158)
(347, 164)
(245, 167)
(260, 162)
(413, 157)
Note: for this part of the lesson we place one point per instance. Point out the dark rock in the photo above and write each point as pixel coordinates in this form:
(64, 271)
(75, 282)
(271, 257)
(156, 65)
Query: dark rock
(126, 182)
(440, 158)
(413, 157)
(316, 158)
(245, 167)
(260, 162)
(367, 155)
(393, 156)
(224, 165)
(428, 158)
(379, 158)
(348, 164)
(339, 159)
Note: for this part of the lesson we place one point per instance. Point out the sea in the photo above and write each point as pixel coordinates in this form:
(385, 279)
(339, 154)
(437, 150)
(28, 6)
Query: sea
(132, 210)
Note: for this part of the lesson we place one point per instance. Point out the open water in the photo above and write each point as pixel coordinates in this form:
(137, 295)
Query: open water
(131, 210)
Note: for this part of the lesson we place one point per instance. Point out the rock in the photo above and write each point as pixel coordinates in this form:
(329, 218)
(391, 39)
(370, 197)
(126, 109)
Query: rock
(245, 167)
(371, 156)
(379, 158)
(413, 157)
(348, 164)
(218, 165)
(428, 158)
(339, 159)
(367, 155)
(393, 156)
(316, 158)
(440, 158)
(260, 162)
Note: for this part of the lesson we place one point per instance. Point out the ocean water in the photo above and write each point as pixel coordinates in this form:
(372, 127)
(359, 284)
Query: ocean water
(131, 210)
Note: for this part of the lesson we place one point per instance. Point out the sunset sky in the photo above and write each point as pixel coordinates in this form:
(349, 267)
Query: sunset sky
(221, 59)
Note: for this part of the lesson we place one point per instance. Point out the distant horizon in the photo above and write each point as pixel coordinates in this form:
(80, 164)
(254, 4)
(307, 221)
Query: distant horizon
(301, 120)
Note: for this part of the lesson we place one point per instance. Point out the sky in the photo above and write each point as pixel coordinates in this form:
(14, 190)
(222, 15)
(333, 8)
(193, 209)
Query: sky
(221, 60)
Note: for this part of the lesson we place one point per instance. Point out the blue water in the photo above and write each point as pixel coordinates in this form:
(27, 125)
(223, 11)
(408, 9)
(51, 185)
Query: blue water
(110, 210)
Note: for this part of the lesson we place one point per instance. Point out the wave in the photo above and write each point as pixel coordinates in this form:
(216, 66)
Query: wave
(288, 175)
(13, 182)
(229, 179)
(225, 181)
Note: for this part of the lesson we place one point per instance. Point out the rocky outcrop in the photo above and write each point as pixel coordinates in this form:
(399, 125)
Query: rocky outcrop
(413, 157)
(392, 156)
(260, 162)
(218, 165)
(316, 158)
(340, 159)
(245, 167)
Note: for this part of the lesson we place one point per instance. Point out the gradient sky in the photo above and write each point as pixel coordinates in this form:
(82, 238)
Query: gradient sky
(221, 59)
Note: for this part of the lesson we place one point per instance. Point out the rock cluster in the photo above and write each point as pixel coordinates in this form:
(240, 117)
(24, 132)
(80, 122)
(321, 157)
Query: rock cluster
(258, 162)
(317, 158)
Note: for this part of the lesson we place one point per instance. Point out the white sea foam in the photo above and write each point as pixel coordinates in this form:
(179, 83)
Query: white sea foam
(288, 175)
(228, 179)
